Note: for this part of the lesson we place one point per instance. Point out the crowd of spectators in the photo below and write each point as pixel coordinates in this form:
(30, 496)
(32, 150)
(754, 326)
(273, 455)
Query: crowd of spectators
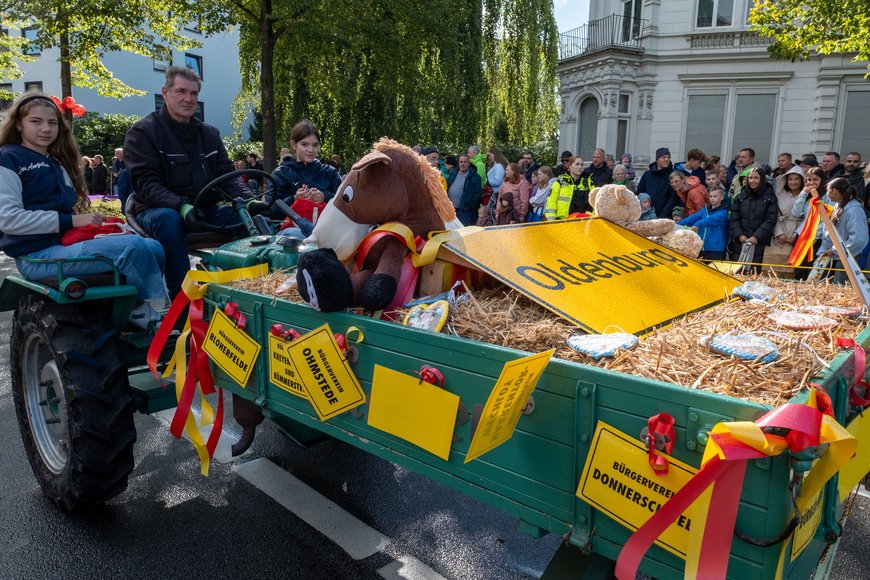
(744, 211)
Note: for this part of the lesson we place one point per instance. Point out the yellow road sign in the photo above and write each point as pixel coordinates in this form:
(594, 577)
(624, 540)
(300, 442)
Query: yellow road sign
(326, 376)
(506, 402)
(282, 371)
(414, 410)
(594, 273)
(618, 480)
(807, 525)
(230, 348)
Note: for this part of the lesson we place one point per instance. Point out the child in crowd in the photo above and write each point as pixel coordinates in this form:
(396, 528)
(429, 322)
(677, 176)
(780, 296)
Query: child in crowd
(544, 180)
(712, 180)
(505, 212)
(711, 223)
(649, 212)
(484, 218)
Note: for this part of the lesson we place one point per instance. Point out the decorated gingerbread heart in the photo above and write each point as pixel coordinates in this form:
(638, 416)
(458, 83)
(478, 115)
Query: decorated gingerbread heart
(743, 346)
(602, 345)
(428, 316)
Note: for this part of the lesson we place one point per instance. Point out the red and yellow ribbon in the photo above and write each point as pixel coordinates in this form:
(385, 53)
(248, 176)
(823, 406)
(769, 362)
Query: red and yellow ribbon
(729, 447)
(194, 371)
(803, 246)
(422, 253)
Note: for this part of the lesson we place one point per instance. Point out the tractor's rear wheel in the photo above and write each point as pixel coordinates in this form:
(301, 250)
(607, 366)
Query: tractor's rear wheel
(72, 399)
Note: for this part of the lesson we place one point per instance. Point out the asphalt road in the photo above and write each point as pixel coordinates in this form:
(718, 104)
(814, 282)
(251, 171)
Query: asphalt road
(173, 523)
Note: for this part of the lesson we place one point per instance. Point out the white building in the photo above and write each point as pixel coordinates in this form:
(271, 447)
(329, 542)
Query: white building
(644, 74)
(217, 62)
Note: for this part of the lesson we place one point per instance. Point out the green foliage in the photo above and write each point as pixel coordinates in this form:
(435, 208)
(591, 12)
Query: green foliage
(431, 74)
(255, 129)
(11, 51)
(802, 27)
(520, 67)
(86, 30)
(101, 134)
(237, 149)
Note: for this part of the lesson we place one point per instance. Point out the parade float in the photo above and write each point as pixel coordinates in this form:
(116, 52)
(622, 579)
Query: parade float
(658, 414)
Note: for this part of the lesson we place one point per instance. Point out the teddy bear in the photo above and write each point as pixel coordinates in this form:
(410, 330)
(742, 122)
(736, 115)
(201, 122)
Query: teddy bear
(394, 184)
(619, 205)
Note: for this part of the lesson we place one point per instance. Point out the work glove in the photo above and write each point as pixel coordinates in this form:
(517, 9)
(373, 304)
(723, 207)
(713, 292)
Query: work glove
(188, 215)
(257, 207)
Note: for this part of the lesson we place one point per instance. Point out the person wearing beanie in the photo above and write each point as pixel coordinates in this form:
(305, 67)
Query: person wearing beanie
(655, 182)
(564, 162)
(649, 212)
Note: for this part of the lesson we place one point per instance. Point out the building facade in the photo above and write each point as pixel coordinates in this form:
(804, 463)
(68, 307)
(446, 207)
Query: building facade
(643, 74)
(217, 62)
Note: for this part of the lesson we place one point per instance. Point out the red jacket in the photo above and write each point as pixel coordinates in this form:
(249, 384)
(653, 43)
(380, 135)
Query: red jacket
(694, 197)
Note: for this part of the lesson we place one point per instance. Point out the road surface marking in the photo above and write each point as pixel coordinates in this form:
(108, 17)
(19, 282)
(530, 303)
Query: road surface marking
(354, 537)
(408, 568)
(223, 452)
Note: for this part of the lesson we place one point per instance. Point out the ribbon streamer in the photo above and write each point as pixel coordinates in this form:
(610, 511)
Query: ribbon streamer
(422, 253)
(660, 428)
(803, 246)
(791, 427)
(195, 371)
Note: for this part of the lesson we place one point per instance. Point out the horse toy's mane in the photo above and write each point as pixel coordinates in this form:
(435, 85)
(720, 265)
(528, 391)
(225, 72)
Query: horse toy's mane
(431, 176)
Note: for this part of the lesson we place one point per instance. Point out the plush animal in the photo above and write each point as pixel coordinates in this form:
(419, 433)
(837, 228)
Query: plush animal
(392, 183)
(619, 205)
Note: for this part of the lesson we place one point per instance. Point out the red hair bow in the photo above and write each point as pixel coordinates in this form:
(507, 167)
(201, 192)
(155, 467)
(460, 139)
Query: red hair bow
(69, 104)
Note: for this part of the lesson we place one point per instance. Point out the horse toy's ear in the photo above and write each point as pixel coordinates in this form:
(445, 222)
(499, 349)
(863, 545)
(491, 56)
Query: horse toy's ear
(371, 159)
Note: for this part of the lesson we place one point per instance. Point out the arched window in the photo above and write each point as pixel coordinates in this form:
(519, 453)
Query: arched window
(588, 128)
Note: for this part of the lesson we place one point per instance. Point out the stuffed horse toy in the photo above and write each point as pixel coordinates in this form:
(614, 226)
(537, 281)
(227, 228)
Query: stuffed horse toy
(392, 183)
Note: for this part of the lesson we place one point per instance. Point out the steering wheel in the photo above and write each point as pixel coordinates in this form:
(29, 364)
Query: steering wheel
(203, 199)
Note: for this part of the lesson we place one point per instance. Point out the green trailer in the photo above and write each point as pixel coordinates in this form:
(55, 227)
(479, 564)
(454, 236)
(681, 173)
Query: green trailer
(534, 475)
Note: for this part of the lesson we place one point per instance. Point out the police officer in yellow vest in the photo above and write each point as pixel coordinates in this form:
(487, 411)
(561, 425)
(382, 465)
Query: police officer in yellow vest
(570, 192)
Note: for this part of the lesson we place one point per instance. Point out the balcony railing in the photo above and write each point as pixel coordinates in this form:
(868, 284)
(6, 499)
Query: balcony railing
(607, 32)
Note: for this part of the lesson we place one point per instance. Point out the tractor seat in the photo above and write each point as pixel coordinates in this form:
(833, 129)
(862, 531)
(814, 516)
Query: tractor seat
(192, 240)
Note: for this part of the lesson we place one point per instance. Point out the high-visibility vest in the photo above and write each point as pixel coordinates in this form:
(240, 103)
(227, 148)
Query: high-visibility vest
(559, 200)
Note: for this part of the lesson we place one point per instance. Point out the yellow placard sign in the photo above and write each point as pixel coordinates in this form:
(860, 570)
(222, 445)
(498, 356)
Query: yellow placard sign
(594, 273)
(416, 411)
(506, 402)
(859, 466)
(230, 348)
(807, 525)
(618, 481)
(282, 372)
(329, 383)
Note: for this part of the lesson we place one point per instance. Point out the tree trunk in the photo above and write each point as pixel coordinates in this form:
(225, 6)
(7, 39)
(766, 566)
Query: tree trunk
(267, 86)
(65, 72)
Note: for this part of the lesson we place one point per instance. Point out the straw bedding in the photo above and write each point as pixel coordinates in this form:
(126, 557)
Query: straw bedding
(673, 354)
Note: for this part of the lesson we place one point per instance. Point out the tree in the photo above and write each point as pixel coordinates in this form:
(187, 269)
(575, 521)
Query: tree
(263, 22)
(521, 53)
(800, 27)
(86, 30)
(101, 134)
(361, 69)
